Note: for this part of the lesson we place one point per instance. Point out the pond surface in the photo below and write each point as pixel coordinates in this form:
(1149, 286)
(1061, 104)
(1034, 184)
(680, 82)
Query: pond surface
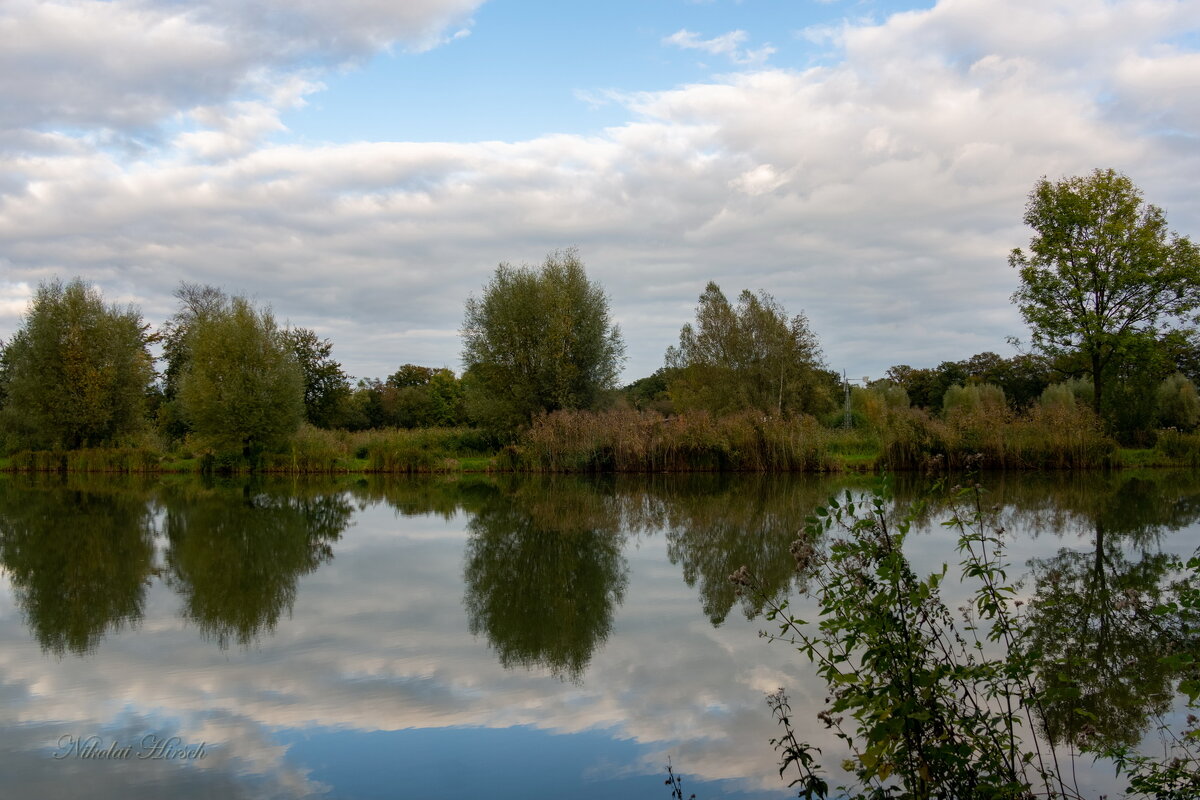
(488, 637)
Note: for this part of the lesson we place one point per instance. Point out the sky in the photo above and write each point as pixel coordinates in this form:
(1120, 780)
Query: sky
(363, 166)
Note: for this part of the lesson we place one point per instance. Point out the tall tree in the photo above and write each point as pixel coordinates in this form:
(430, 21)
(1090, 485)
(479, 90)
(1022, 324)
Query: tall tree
(1102, 270)
(751, 356)
(76, 373)
(326, 385)
(196, 302)
(242, 387)
(538, 340)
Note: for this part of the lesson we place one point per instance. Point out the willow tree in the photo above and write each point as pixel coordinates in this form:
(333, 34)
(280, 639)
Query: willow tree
(1103, 271)
(540, 339)
(76, 373)
(242, 387)
(751, 356)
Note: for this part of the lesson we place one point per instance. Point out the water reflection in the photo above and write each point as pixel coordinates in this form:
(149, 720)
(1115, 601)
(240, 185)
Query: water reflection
(717, 523)
(544, 572)
(618, 585)
(1099, 611)
(79, 559)
(236, 552)
(80, 553)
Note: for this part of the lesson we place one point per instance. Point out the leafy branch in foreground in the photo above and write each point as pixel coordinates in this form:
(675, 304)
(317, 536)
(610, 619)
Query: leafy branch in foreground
(934, 708)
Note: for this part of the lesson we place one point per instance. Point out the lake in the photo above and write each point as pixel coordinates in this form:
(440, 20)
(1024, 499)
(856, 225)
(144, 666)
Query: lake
(503, 637)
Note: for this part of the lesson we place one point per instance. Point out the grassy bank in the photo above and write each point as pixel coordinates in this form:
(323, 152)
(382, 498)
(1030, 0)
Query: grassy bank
(625, 440)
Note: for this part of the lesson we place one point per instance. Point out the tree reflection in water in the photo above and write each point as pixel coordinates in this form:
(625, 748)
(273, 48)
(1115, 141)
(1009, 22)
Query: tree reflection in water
(544, 572)
(1099, 612)
(235, 554)
(80, 552)
(79, 555)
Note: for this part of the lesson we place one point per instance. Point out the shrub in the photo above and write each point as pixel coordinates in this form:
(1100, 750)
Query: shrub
(1178, 403)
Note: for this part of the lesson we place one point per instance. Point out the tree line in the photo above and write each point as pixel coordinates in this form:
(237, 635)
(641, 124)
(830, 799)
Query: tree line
(1108, 291)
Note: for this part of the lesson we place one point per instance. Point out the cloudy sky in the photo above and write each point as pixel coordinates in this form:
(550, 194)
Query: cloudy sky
(362, 166)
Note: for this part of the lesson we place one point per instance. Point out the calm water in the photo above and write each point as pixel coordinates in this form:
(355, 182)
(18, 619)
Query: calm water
(474, 638)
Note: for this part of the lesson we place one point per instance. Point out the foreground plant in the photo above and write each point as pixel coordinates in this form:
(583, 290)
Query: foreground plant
(927, 706)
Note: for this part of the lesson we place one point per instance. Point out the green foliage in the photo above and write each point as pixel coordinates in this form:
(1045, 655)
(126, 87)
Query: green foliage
(76, 373)
(751, 357)
(929, 707)
(934, 713)
(445, 399)
(1179, 446)
(120, 460)
(1022, 378)
(1067, 395)
(1178, 403)
(1058, 395)
(242, 389)
(538, 340)
(197, 302)
(326, 385)
(412, 397)
(1102, 269)
(410, 375)
(651, 393)
(963, 401)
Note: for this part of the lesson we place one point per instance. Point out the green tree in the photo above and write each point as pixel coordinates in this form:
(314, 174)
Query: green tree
(76, 373)
(326, 385)
(242, 387)
(445, 398)
(538, 340)
(410, 375)
(1102, 269)
(196, 302)
(751, 356)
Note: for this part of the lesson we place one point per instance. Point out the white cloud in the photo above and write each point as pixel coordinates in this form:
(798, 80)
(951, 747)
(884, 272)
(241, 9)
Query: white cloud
(128, 65)
(727, 44)
(880, 193)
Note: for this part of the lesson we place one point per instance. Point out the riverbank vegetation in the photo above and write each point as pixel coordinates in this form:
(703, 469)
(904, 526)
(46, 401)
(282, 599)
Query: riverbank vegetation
(1109, 294)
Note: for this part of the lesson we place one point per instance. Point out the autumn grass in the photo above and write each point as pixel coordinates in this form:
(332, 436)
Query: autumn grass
(1046, 437)
(625, 440)
(118, 460)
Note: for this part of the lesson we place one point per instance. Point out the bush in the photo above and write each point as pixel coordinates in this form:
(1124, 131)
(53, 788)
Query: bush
(1178, 403)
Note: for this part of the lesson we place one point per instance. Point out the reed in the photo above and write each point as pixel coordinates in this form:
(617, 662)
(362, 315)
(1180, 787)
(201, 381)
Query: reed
(117, 459)
(1048, 436)
(627, 440)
